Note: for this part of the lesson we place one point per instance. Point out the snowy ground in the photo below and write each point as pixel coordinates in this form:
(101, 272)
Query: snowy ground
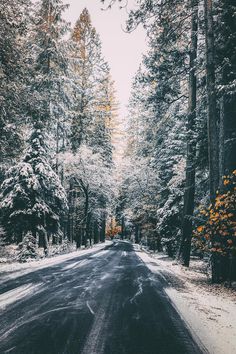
(209, 311)
(16, 269)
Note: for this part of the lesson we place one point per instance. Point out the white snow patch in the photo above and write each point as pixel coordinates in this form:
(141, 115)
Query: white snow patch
(124, 253)
(16, 294)
(140, 289)
(211, 317)
(76, 264)
(105, 276)
(89, 307)
(100, 254)
(15, 270)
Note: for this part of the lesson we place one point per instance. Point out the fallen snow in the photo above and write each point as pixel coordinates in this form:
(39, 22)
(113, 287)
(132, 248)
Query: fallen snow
(100, 254)
(210, 312)
(77, 264)
(18, 293)
(15, 270)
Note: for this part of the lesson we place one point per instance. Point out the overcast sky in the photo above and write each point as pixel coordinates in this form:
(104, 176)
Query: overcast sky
(123, 51)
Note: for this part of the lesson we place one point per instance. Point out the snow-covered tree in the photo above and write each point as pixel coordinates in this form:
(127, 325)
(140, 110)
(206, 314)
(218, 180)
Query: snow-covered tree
(13, 27)
(92, 190)
(33, 199)
(92, 102)
(50, 82)
(27, 248)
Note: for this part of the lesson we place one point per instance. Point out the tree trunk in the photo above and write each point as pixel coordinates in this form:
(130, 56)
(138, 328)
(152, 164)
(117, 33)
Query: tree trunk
(137, 239)
(227, 129)
(70, 225)
(213, 141)
(122, 227)
(222, 141)
(103, 228)
(95, 231)
(86, 214)
(189, 193)
(79, 237)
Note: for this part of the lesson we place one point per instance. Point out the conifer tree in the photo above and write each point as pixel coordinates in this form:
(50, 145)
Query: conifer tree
(48, 64)
(13, 28)
(32, 198)
(91, 75)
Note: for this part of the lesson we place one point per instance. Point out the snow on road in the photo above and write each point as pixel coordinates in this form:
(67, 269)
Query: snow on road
(210, 316)
(18, 293)
(76, 264)
(100, 254)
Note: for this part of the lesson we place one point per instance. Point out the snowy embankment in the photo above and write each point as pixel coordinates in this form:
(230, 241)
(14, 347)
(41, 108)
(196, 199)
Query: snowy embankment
(209, 310)
(14, 270)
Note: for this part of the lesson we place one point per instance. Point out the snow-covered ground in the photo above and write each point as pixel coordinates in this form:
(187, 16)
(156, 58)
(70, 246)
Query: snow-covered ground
(16, 269)
(209, 310)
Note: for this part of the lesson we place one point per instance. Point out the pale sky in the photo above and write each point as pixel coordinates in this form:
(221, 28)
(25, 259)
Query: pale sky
(123, 51)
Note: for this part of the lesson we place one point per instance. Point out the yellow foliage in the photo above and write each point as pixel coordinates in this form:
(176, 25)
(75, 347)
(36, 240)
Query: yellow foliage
(218, 233)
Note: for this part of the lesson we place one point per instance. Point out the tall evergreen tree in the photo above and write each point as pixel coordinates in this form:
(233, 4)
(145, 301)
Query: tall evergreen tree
(14, 21)
(91, 74)
(48, 64)
(32, 197)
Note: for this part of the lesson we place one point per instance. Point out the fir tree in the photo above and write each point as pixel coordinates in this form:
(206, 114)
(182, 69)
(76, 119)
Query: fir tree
(14, 21)
(48, 64)
(32, 198)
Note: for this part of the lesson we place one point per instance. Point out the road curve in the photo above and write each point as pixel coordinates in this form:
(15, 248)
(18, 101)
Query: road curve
(103, 303)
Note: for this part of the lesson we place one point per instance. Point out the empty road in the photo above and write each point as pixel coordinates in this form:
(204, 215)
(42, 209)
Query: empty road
(106, 302)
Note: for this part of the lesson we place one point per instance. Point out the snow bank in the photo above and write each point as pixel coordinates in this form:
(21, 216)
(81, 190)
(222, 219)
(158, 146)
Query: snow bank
(209, 311)
(14, 270)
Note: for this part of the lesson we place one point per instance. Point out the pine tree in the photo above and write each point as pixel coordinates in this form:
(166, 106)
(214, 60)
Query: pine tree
(32, 198)
(50, 80)
(14, 20)
(91, 74)
(27, 248)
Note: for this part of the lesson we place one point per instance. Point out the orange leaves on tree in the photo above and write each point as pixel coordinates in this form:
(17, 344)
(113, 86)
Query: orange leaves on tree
(218, 232)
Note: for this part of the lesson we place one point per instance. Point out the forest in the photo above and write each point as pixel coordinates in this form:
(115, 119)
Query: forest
(175, 190)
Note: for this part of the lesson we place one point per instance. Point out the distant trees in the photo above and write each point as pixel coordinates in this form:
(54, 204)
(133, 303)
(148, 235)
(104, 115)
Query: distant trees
(92, 185)
(89, 135)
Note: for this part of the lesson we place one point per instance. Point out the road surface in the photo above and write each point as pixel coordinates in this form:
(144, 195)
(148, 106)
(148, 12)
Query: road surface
(107, 302)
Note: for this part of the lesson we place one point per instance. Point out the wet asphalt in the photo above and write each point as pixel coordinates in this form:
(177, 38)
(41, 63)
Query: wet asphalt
(107, 302)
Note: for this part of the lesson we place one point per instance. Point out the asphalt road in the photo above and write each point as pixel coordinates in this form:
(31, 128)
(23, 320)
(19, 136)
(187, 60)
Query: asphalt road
(102, 303)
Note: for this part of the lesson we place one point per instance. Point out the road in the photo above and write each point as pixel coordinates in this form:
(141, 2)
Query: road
(107, 302)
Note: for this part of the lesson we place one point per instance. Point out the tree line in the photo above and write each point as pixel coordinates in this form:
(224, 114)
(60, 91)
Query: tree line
(178, 188)
(57, 105)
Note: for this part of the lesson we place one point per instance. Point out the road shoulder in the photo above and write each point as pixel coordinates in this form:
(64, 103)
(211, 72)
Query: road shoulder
(210, 312)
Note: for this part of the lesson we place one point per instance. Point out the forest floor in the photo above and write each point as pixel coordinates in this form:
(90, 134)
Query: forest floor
(209, 310)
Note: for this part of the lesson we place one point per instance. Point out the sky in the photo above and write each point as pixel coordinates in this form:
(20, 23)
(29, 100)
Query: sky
(122, 50)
